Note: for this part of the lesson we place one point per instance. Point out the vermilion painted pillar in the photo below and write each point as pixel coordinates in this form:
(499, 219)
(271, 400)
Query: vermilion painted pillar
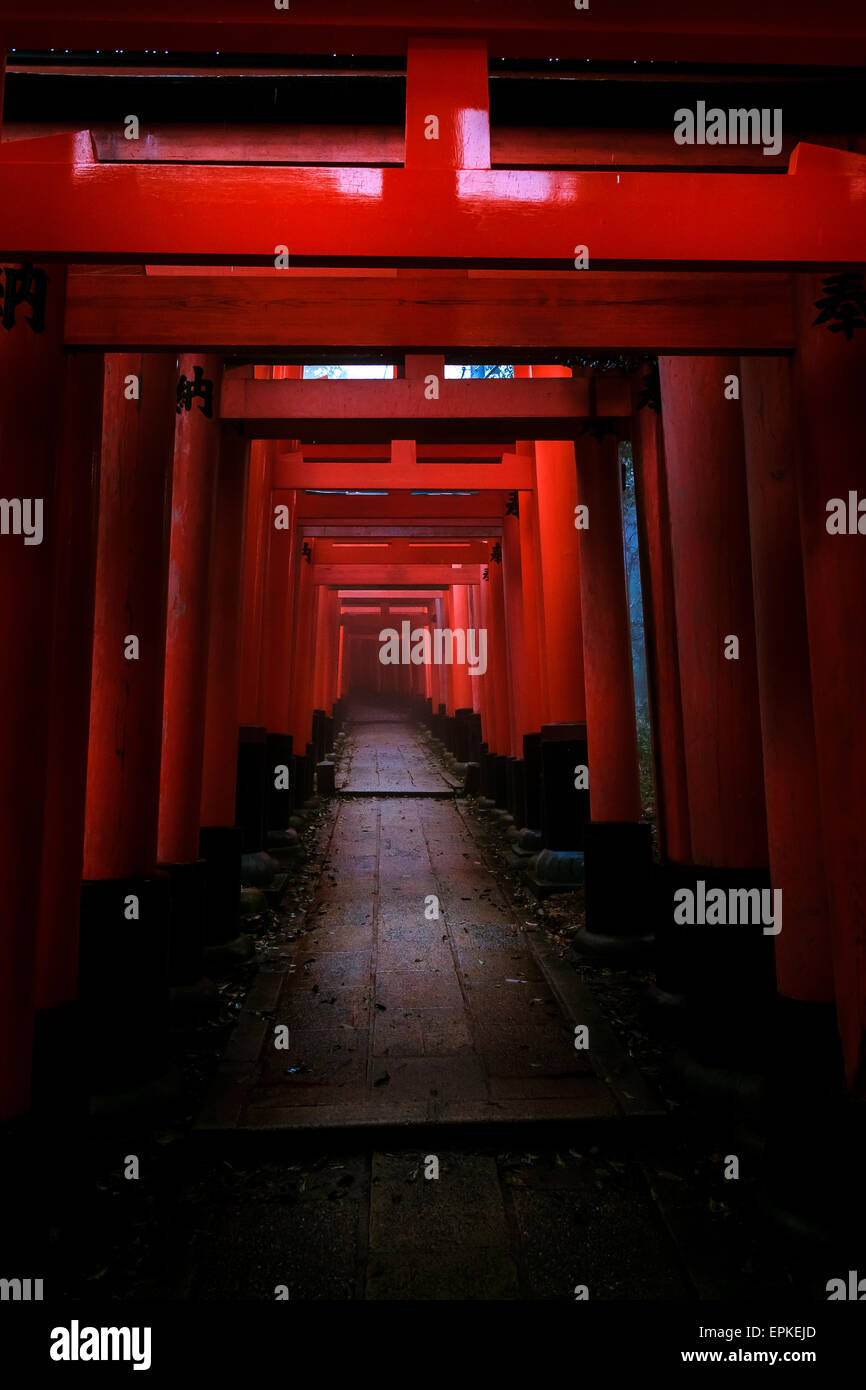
(427, 668)
(614, 789)
(333, 651)
(196, 456)
(556, 491)
(219, 774)
(475, 620)
(321, 649)
(651, 492)
(537, 702)
(341, 658)
(278, 558)
(331, 691)
(125, 904)
(276, 661)
(63, 829)
(256, 551)
(131, 581)
(461, 680)
(302, 703)
(278, 614)
(448, 671)
(31, 404)
(497, 656)
(493, 716)
(533, 608)
(803, 949)
(713, 596)
(617, 846)
(805, 1022)
(830, 370)
(252, 790)
(481, 615)
(512, 579)
(439, 676)
(713, 965)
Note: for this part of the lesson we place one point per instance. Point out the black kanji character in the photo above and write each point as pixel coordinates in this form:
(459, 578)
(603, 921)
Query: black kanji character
(26, 284)
(200, 387)
(845, 301)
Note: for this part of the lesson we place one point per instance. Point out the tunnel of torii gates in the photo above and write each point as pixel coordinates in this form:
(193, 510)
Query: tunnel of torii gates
(224, 541)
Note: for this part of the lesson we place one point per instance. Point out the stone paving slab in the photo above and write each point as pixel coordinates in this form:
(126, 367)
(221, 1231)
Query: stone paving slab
(396, 1016)
(386, 758)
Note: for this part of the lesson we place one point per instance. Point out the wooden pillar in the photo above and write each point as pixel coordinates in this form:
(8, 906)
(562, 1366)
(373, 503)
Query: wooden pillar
(713, 597)
(497, 656)
(341, 662)
(617, 845)
(461, 680)
(129, 630)
(333, 652)
(278, 614)
(477, 683)
(651, 491)
(196, 455)
(302, 701)
(803, 952)
(725, 972)
(556, 492)
(614, 786)
(219, 776)
(448, 620)
(439, 672)
(256, 549)
(31, 393)
(512, 579)
(323, 648)
(125, 907)
(75, 568)
(830, 371)
(533, 608)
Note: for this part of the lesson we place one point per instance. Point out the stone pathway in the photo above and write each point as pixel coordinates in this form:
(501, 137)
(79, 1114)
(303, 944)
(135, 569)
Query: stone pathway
(411, 995)
(384, 758)
(290, 1185)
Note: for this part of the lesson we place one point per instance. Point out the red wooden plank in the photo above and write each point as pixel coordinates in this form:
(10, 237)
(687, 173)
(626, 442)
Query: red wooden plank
(497, 409)
(818, 159)
(431, 453)
(379, 575)
(63, 203)
(496, 311)
(483, 506)
(511, 147)
(515, 471)
(404, 552)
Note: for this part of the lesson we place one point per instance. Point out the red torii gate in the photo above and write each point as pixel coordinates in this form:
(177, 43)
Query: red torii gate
(60, 204)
